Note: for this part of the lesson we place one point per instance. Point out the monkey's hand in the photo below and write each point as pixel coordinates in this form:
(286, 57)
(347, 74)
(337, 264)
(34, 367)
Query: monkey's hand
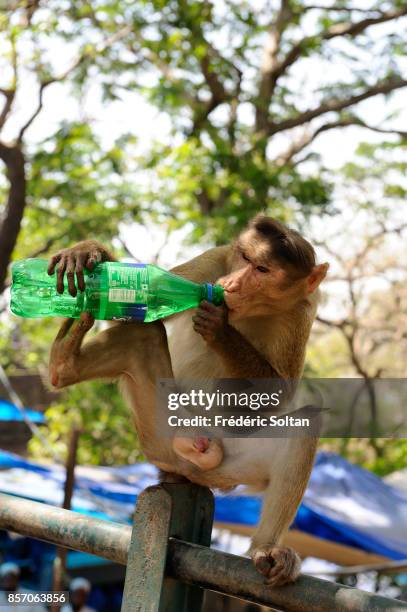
(211, 322)
(72, 262)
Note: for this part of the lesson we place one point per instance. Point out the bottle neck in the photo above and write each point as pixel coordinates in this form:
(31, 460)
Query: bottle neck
(212, 293)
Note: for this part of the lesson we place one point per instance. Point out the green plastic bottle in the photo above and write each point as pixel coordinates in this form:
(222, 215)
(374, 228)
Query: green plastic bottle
(119, 291)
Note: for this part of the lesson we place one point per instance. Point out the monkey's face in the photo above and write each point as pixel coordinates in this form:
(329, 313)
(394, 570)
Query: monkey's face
(257, 286)
(260, 283)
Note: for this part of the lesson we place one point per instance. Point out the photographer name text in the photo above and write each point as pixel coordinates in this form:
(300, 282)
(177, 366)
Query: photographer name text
(238, 421)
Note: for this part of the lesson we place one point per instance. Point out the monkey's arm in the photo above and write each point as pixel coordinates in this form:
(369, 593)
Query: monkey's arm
(207, 267)
(245, 361)
(109, 353)
(242, 359)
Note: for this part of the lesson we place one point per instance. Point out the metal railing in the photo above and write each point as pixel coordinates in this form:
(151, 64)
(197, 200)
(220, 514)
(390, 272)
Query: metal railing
(169, 562)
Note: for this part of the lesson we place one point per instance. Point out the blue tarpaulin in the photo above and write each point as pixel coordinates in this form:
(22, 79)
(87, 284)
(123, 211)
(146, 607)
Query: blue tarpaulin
(343, 503)
(10, 412)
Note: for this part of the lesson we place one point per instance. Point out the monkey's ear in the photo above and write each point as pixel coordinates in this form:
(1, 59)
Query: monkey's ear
(316, 277)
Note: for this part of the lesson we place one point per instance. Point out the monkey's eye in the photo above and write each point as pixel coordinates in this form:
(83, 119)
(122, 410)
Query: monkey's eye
(262, 269)
(245, 257)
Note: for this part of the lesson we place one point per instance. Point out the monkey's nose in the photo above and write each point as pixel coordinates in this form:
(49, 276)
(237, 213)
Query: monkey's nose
(231, 286)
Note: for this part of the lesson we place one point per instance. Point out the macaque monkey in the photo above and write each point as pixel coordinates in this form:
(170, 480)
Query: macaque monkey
(271, 282)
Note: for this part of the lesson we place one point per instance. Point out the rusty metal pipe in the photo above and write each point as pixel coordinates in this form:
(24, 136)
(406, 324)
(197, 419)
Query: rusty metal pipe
(65, 528)
(189, 563)
(236, 576)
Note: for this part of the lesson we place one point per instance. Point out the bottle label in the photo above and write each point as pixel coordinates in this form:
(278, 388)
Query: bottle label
(122, 295)
(128, 283)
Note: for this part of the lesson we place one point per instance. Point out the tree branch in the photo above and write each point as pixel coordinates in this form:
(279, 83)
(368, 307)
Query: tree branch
(308, 136)
(383, 87)
(374, 128)
(149, 55)
(341, 29)
(336, 324)
(219, 94)
(10, 92)
(234, 104)
(128, 250)
(218, 91)
(372, 240)
(216, 87)
(14, 160)
(347, 9)
(306, 139)
(35, 113)
(269, 65)
(47, 245)
(58, 79)
(9, 95)
(353, 29)
(30, 7)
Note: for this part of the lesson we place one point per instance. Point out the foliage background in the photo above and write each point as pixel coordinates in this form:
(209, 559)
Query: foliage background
(185, 118)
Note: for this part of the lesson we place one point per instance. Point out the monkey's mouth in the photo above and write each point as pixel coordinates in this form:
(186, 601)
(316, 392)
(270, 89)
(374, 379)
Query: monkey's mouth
(231, 303)
(233, 313)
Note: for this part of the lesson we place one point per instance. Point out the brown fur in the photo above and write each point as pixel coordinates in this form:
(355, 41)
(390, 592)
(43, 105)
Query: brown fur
(263, 334)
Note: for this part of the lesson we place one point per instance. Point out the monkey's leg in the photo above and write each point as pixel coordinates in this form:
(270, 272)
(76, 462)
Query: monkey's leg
(107, 355)
(137, 353)
(289, 478)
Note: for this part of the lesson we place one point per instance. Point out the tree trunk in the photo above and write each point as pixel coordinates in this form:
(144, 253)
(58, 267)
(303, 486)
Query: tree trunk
(14, 160)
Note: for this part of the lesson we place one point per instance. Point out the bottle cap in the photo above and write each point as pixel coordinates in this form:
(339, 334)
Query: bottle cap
(214, 294)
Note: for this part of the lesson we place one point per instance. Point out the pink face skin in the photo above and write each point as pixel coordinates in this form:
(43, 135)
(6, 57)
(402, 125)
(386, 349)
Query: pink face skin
(253, 288)
(257, 287)
(201, 451)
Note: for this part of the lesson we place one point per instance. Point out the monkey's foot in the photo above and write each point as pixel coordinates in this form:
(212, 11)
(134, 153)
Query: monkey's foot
(278, 564)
